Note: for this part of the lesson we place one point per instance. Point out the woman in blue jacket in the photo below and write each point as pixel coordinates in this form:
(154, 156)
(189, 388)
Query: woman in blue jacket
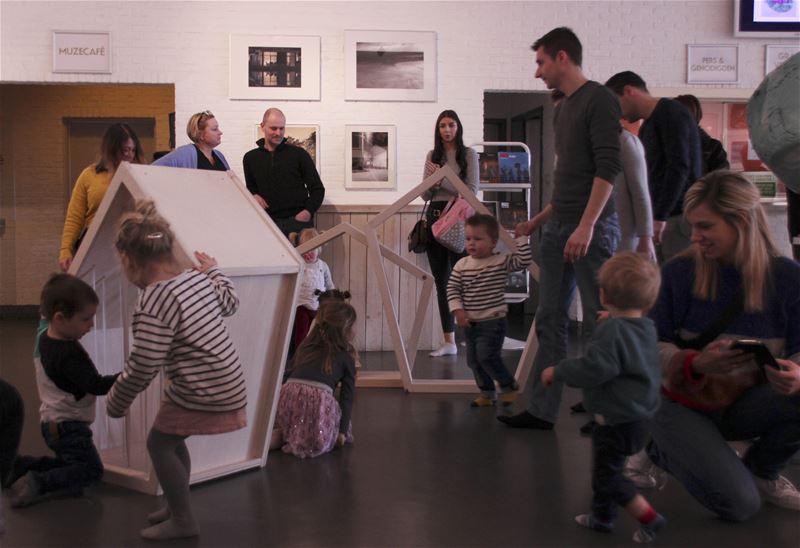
(203, 130)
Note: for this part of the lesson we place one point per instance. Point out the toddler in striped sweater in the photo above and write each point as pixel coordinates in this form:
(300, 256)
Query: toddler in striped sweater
(476, 297)
(178, 326)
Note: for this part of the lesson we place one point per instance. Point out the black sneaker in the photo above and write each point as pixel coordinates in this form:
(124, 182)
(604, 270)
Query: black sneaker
(525, 420)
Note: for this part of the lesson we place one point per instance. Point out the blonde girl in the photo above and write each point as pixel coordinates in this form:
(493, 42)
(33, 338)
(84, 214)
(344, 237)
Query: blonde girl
(178, 327)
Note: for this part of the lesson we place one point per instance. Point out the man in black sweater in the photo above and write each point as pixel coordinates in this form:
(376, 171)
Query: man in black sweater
(674, 159)
(282, 177)
(579, 226)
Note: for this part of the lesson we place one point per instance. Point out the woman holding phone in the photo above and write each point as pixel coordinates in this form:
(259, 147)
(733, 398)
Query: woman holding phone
(730, 284)
(448, 149)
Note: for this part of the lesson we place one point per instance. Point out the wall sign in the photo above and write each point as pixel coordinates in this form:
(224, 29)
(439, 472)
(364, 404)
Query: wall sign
(82, 52)
(712, 64)
(776, 55)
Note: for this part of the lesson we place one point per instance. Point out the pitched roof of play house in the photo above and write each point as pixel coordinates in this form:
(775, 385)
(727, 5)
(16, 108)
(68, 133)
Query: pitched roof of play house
(208, 211)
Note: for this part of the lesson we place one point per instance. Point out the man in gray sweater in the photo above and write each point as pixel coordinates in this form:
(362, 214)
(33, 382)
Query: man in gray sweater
(579, 226)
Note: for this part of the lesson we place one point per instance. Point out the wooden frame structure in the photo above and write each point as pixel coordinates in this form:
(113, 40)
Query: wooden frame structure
(374, 261)
(405, 355)
(264, 268)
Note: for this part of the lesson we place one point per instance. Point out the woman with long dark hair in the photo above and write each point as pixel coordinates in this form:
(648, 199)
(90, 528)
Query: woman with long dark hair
(119, 144)
(448, 149)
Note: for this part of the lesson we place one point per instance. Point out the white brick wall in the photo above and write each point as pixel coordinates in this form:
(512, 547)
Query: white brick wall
(481, 46)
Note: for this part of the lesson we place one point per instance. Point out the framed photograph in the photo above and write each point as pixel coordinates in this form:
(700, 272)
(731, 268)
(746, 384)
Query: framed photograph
(305, 136)
(370, 157)
(285, 68)
(385, 65)
(712, 64)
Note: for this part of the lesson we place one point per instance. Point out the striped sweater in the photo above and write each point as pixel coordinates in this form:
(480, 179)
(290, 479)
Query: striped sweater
(178, 325)
(478, 285)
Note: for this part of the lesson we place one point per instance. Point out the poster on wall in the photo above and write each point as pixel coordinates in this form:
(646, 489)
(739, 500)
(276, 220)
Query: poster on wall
(283, 68)
(389, 65)
(305, 136)
(82, 52)
(370, 157)
(712, 64)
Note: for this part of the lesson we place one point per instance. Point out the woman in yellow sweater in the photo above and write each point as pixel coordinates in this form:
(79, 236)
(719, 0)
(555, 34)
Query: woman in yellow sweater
(119, 144)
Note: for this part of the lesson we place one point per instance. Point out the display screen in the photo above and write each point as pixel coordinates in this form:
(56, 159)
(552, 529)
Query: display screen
(768, 16)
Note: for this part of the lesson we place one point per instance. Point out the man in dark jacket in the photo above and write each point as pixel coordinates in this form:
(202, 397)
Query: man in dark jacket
(674, 161)
(282, 177)
(714, 155)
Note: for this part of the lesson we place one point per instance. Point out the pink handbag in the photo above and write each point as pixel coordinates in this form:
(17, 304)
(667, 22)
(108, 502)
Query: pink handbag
(448, 229)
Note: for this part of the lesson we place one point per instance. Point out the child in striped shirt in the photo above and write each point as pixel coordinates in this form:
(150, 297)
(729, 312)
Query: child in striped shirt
(476, 297)
(178, 326)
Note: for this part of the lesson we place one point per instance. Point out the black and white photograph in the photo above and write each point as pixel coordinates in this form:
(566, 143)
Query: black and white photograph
(305, 136)
(271, 67)
(370, 158)
(283, 68)
(385, 65)
(390, 66)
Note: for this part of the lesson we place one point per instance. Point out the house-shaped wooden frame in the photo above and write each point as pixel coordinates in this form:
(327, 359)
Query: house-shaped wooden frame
(210, 211)
(376, 264)
(404, 354)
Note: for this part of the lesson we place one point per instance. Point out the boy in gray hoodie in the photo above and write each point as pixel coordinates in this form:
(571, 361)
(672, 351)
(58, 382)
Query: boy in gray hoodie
(620, 375)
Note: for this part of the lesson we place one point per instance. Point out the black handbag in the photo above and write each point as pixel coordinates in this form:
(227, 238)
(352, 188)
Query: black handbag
(419, 237)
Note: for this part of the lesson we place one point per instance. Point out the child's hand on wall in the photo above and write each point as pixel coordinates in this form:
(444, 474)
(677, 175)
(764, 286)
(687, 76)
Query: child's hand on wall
(205, 261)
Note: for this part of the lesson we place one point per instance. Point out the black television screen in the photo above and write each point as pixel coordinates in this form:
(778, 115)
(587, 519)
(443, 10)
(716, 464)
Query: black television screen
(775, 18)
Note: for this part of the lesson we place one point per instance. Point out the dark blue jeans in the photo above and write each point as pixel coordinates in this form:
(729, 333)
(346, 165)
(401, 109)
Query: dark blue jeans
(441, 261)
(484, 343)
(611, 445)
(290, 224)
(693, 446)
(557, 282)
(76, 464)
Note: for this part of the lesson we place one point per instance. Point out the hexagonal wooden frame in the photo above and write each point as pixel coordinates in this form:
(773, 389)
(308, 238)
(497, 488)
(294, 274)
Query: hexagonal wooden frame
(404, 357)
(374, 256)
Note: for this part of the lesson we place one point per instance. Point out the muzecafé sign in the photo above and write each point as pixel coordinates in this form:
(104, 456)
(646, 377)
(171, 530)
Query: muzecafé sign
(84, 52)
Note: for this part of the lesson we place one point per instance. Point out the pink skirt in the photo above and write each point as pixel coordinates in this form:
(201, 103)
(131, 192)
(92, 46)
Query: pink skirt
(308, 416)
(180, 421)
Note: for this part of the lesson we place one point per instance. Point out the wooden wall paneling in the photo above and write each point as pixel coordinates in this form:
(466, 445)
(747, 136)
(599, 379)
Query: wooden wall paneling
(340, 251)
(408, 291)
(431, 328)
(324, 221)
(391, 239)
(374, 305)
(359, 280)
(379, 277)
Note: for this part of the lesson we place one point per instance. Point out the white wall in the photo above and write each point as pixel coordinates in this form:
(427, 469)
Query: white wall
(481, 46)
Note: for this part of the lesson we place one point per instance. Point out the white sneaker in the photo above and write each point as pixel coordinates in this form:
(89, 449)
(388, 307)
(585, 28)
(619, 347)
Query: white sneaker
(780, 492)
(447, 349)
(643, 473)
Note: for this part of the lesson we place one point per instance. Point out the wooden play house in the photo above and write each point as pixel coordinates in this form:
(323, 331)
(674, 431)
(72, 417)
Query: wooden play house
(210, 211)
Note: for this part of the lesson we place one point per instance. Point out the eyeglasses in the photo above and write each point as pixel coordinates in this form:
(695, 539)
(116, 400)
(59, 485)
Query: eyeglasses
(205, 114)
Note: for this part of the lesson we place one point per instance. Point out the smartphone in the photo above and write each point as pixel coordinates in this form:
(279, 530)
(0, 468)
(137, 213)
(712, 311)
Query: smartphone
(760, 352)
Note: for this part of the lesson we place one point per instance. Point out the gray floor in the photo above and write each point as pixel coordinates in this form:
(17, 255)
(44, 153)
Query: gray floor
(425, 470)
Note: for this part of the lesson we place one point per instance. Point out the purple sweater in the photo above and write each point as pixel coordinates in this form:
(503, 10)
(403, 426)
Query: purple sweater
(678, 312)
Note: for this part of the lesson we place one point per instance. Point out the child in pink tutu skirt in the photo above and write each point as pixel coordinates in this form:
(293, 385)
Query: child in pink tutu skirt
(310, 420)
